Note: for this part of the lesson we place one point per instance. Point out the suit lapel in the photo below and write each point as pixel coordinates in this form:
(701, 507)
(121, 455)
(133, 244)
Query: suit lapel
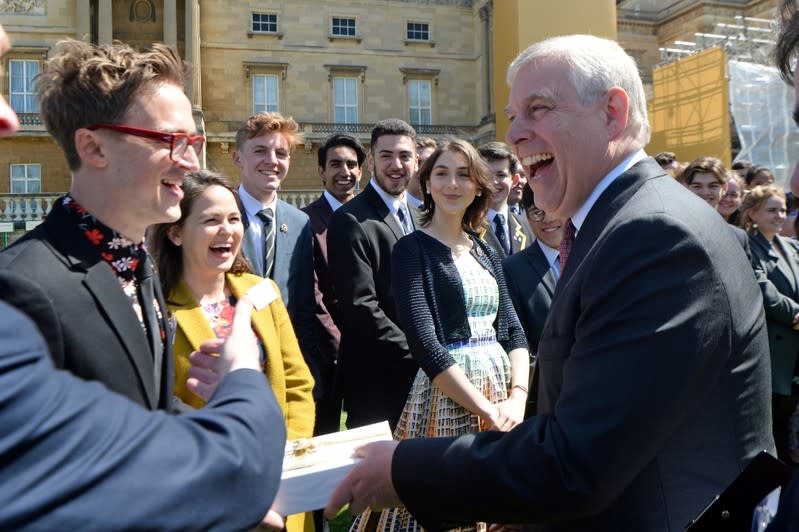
(787, 267)
(540, 265)
(383, 211)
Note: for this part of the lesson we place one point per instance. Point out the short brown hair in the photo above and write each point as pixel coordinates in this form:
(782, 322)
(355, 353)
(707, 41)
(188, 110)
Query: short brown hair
(705, 165)
(86, 84)
(263, 123)
(425, 142)
(475, 213)
(168, 256)
(499, 151)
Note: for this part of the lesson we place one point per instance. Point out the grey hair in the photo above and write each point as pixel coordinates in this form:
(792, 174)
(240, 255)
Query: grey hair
(595, 65)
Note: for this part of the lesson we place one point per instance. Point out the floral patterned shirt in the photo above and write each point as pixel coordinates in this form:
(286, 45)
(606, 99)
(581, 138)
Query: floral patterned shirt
(124, 256)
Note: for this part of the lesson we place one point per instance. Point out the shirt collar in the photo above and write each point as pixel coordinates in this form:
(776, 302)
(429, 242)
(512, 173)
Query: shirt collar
(550, 253)
(252, 205)
(492, 214)
(391, 202)
(582, 213)
(413, 201)
(332, 201)
(123, 255)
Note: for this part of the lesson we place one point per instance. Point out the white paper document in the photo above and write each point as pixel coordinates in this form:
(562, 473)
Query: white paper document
(313, 467)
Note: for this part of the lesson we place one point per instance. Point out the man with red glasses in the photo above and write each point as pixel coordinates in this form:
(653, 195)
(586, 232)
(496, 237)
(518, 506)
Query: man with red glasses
(127, 131)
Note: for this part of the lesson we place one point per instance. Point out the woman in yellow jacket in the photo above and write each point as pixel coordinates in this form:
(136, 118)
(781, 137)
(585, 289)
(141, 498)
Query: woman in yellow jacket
(203, 273)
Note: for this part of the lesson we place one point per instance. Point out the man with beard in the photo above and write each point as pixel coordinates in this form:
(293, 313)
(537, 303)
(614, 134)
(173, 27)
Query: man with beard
(375, 364)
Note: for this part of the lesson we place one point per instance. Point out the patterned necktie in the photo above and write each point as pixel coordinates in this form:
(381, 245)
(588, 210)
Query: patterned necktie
(499, 230)
(267, 216)
(404, 221)
(566, 243)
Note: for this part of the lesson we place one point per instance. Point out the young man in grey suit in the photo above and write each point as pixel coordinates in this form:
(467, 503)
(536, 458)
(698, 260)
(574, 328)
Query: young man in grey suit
(128, 134)
(341, 159)
(531, 276)
(505, 231)
(277, 236)
(375, 364)
(654, 383)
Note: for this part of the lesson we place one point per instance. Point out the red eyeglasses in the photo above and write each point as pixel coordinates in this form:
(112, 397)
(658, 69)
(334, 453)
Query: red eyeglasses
(178, 142)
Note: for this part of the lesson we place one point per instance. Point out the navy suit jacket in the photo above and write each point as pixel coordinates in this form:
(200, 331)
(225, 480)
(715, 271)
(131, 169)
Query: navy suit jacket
(293, 273)
(375, 363)
(654, 384)
(75, 456)
(86, 318)
(531, 284)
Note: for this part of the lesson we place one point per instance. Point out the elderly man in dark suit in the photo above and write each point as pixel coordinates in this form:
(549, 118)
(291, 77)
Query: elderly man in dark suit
(531, 276)
(340, 160)
(129, 136)
(375, 364)
(654, 384)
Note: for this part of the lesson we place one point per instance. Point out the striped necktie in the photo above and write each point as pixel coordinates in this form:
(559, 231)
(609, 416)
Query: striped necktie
(267, 216)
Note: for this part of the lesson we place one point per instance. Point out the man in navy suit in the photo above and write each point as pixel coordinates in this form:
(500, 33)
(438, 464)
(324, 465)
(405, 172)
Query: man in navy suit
(340, 160)
(375, 363)
(531, 276)
(277, 236)
(654, 374)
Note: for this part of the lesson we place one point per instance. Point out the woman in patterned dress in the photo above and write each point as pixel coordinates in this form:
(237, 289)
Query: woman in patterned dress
(456, 312)
(203, 273)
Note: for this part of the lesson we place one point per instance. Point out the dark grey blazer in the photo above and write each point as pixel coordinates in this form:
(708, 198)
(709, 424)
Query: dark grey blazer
(780, 286)
(520, 235)
(88, 322)
(375, 363)
(294, 275)
(654, 390)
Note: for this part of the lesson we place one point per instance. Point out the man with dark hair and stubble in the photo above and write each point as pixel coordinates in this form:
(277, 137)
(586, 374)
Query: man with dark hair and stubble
(375, 364)
(340, 162)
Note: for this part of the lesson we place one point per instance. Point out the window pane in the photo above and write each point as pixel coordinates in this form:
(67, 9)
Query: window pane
(413, 92)
(18, 187)
(424, 94)
(17, 171)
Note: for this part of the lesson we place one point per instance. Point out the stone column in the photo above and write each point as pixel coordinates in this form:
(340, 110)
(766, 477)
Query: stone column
(83, 20)
(193, 84)
(171, 23)
(105, 24)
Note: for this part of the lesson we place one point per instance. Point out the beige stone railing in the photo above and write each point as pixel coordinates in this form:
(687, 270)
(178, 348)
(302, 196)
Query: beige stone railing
(26, 207)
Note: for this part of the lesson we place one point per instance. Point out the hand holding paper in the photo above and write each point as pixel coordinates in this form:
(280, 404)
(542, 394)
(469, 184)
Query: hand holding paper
(368, 484)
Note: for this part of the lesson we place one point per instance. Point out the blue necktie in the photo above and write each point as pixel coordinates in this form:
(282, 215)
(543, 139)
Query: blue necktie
(499, 230)
(403, 217)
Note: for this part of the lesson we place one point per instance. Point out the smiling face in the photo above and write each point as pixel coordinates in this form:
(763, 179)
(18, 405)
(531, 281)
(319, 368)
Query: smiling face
(264, 163)
(770, 216)
(393, 161)
(142, 183)
(341, 173)
(731, 200)
(520, 181)
(707, 186)
(549, 230)
(210, 237)
(503, 181)
(451, 185)
(562, 144)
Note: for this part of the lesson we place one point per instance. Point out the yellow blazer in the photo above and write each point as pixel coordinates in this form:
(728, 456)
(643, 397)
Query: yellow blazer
(286, 370)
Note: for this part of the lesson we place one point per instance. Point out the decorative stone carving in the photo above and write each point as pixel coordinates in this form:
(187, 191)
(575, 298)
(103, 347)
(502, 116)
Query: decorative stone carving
(142, 11)
(27, 7)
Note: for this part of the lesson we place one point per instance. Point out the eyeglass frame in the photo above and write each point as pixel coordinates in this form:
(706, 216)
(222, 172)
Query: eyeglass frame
(536, 214)
(169, 138)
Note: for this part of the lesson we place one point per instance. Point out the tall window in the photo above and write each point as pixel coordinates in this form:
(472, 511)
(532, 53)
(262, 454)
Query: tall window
(264, 23)
(418, 31)
(343, 27)
(345, 100)
(264, 93)
(21, 94)
(26, 178)
(420, 109)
